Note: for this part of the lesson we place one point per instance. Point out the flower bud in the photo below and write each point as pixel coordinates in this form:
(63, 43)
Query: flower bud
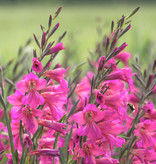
(27, 141)
(57, 48)
(43, 40)
(101, 64)
(123, 46)
(149, 81)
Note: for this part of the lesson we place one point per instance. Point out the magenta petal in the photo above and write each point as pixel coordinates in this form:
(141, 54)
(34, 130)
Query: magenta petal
(22, 86)
(25, 100)
(94, 131)
(84, 130)
(14, 113)
(99, 115)
(97, 151)
(42, 83)
(79, 118)
(31, 124)
(53, 125)
(37, 112)
(90, 107)
(12, 99)
(46, 152)
(31, 76)
(33, 99)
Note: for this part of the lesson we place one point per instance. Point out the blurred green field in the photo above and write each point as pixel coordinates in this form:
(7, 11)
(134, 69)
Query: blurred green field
(19, 22)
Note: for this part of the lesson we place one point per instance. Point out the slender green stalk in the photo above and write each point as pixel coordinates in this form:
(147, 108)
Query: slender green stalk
(9, 130)
(55, 145)
(20, 132)
(1, 81)
(129, 147)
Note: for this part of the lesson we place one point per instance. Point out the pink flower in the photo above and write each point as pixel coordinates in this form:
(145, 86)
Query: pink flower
(87, 119)
(144, 131)
(144, 156)
(28, 117)
(31, 84)
(124, 74)
(56, 74)
(37, 66)
(53, 125)
(56, 48)
(55, 101)
(123, 56)
(89, 151)
(110, 130)
(84, 87)
(16, 98)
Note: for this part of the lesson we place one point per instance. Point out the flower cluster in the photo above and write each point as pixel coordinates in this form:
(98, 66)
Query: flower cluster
(102, 118)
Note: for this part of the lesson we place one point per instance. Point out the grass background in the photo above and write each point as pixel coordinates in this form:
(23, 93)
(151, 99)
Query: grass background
(18, 22)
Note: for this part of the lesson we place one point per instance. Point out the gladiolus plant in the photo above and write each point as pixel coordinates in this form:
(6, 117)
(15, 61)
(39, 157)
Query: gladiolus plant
(57, 116)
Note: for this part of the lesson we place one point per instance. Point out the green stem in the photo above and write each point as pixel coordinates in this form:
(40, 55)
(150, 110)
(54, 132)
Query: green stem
(20, 132)
(55, 145)
(9, 130)
(129, 147)
(1, 81)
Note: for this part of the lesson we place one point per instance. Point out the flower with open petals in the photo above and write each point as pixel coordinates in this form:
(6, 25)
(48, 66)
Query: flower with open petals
(28, 117)
(30, 84)
(87, 119)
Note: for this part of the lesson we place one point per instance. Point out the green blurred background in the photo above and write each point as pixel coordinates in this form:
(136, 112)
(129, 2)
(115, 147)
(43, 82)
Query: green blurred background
(19, 19)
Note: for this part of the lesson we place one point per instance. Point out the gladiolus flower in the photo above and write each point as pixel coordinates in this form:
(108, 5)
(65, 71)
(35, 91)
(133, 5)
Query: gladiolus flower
(89, 151)
(31, 84)
(28, 117)
(56, 74)
(124, 57)
(16, 98)
(57, 48)
(37, 66)
(87, 119)
(53, 125)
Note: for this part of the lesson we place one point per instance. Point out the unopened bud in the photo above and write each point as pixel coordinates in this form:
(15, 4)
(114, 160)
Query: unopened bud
(112, 26)
(54, 29)
(125, 30)
(34, 53)
(43, 40)
(57, 12)
(149, 81)
(113, 42)
(50, 21)
(107, 43)
(57, 66)
(123, 46)
(154, 66)
(36, 40)
(42, 28)
(102, 62)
